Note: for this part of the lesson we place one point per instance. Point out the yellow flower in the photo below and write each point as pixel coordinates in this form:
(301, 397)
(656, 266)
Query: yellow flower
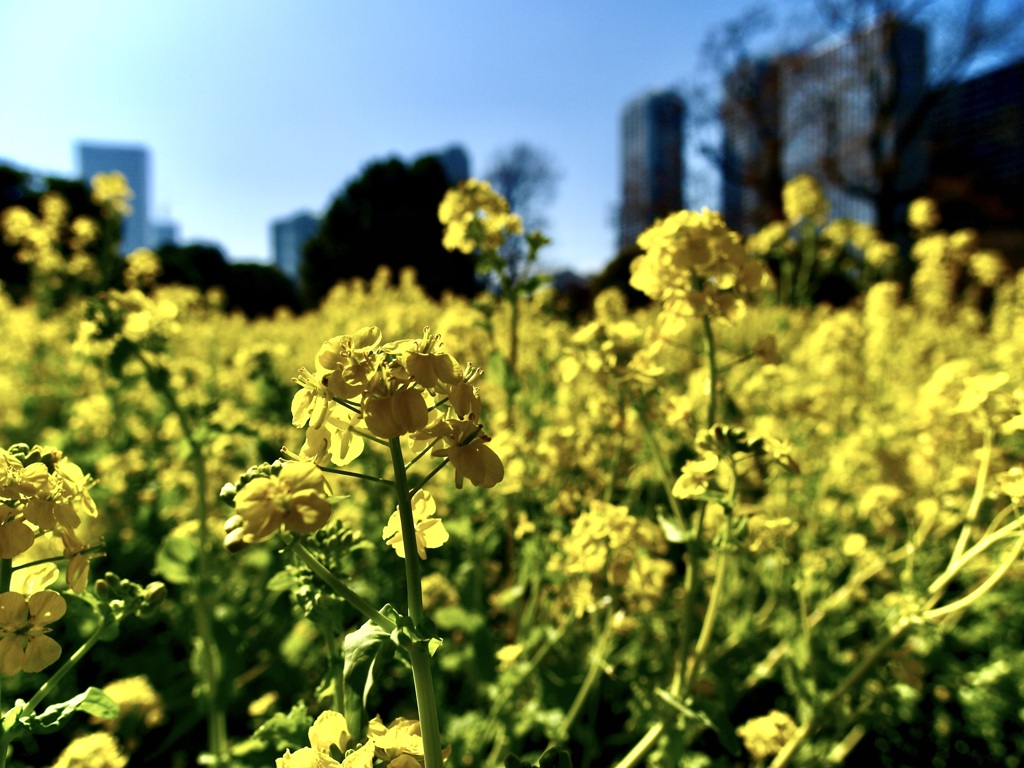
(401, 737)
(111, 190)
(15, 536)
(395, 414)
(95, 750)
(142, 268)
(329, 729)
(475, 216)
(923, 214)
(24, 646)
(802, 199)
(307, 757)
(987, 267)
(765, 736)
(465, 447)
(137, 699)
(430, 530)
(695, 477)
(295, 498)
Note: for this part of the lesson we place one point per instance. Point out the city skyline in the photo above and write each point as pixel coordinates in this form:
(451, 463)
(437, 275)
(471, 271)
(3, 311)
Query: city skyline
(251, 114)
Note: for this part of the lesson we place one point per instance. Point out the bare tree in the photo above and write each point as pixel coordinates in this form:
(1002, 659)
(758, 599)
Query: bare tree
(854, 108)
(527, 178)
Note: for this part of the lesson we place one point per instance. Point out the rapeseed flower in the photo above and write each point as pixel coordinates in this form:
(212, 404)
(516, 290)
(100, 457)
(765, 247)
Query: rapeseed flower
(24, 645)
(94, 750)
(765, 736)
(430, 531)
(802, 199)
(295, 498)
(475, 216)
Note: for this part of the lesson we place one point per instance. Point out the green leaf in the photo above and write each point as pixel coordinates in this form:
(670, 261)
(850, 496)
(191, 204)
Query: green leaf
(92, 702)
(174, 560)
(360, 651)
(281, 581)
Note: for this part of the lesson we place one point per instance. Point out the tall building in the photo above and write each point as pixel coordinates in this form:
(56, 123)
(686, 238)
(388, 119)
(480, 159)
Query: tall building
(289, 236)
(133, 162)
(162, 233)
(751, 176)
(836, 111)
(976, 157)
(652, 162)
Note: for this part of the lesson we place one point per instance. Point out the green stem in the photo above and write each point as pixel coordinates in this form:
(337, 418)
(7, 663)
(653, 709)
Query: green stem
(976, 498)
(597, 658)
(709, 345)
(710, 617)
(357, 475)
(423, 482)
(354, 599)
(807, 249)
(511, 383)
(419, 656)
(849, 682)
(209, 654)
(5, 575)
(54, 680)
(642, 747)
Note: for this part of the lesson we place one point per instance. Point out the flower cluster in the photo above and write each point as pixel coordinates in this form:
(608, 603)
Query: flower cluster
(398, 745)
(474, 217)
(111, 192)
(803, 200)
(404, 388)
(49, 243)
(43, 499)
(292, 496)
(611, 551)
(764, 736)
(696, 266)
(942, 257)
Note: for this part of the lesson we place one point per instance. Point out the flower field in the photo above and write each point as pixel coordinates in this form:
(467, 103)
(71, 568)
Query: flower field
(726, 528)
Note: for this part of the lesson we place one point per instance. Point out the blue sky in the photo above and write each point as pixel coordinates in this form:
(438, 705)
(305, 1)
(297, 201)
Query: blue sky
(253, 110)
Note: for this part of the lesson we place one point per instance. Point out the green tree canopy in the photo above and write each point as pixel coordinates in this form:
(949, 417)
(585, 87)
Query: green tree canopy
(388, 216)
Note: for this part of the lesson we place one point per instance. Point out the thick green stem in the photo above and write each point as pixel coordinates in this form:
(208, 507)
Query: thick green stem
(419, 656)
(5, 575)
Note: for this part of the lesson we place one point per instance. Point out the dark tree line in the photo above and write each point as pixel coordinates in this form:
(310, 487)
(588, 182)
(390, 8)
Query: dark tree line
(387, 216)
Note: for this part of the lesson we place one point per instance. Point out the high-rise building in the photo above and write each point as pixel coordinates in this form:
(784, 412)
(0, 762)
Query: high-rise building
(162, 233)
(976, 157)
(844, 105)
(652, 162)
(751, 176)
(836, 111)
(133, 162)
(289, 236)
